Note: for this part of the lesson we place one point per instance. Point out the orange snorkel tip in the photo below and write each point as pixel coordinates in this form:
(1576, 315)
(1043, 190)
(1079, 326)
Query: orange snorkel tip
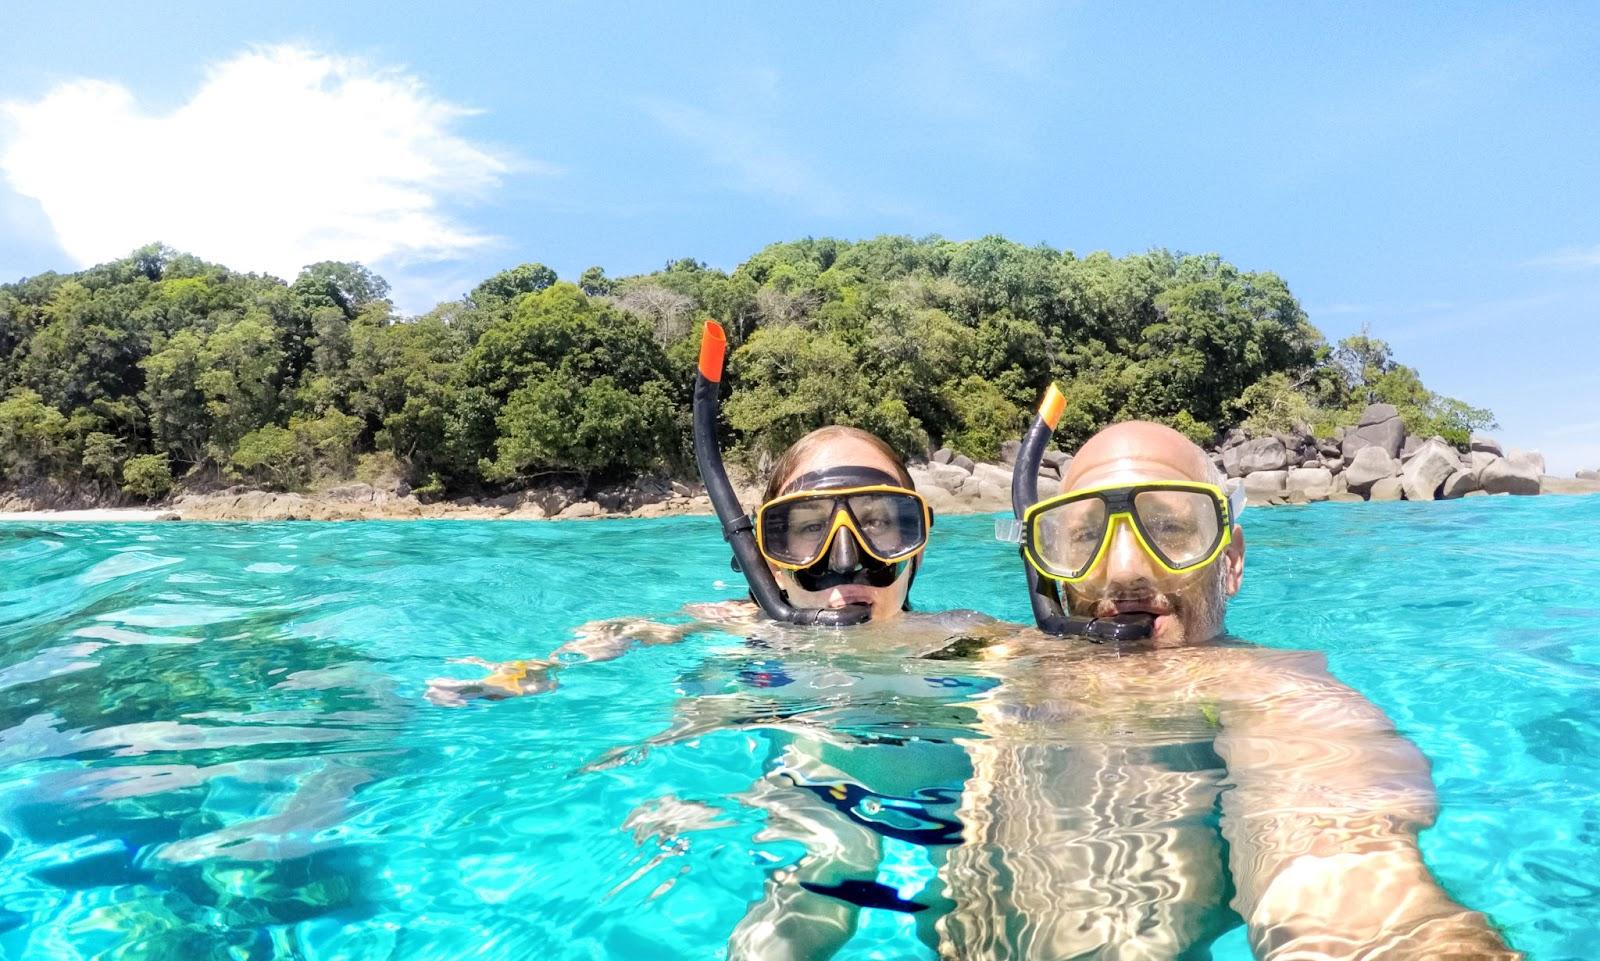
(1051, 408)
(713, 351)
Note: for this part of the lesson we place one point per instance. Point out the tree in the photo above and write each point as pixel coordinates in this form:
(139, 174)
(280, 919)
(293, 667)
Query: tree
(508, 285)
(147, 475)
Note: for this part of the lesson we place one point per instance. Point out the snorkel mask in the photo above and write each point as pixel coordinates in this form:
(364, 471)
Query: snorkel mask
(843, 525)
(830, 512)
(1183, 526)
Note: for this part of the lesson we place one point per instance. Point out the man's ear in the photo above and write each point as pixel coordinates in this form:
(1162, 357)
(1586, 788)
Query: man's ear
(1233, 562)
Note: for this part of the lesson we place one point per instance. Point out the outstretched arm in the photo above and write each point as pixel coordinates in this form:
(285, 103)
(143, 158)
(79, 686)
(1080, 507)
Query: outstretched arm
(1322, 820)
(595, 641)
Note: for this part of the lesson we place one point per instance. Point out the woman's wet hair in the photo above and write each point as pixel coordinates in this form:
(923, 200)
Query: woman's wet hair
(784, 469)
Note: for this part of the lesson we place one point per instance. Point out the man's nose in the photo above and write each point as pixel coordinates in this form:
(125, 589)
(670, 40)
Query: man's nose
(843, 556)
(1125, 559)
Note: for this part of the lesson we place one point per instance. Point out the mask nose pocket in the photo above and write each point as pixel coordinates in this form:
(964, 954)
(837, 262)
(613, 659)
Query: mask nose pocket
(843, 556)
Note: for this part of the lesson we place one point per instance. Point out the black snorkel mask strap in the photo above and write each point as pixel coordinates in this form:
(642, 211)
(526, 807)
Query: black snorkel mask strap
(1042, 592)
(737, 527)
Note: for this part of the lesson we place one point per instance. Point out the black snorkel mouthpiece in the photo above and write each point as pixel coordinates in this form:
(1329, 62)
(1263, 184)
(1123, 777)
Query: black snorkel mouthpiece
(737, 527)
(1042, 593)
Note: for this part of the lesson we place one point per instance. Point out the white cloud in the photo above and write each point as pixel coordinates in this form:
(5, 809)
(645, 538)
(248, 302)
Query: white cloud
(1572, 257)
(282, 158)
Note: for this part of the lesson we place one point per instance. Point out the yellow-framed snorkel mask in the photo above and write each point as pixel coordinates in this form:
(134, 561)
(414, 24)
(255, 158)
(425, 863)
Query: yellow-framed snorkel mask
(1181, 525)
(889, 522)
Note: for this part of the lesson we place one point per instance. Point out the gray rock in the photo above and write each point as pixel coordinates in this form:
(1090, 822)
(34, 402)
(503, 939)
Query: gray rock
(1230, 461)
(1528, 458)
(947, 476)
(1341, 485)
(1387, 489)
(1233, 438)
(1328, 448)
(1477, 460)
(1338, 435)
(1045, 470)
(1377, 414)
(1588, 475)
(996, 475)
(1263, 454)
(1264, 484)
(1008, 451)
(1370, 465)
(1410, 448)
(1387, 436)
(1459, 484)
(942, 456)
(962, 461)
(1480, 492)
(1315, 483)
(1059, 459)
(1333, 464)
(1345, 497)
(1485, 444)
(1505, 476)
(581, 509)
(1048, 485)
(1297, 497)
(992, 496)
(1428, 469)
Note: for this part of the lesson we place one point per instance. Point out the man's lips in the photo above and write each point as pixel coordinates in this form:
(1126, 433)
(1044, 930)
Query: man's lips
(1142, 605)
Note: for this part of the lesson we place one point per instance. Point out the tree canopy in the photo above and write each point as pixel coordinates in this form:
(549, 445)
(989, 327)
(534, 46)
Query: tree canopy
(144, 371)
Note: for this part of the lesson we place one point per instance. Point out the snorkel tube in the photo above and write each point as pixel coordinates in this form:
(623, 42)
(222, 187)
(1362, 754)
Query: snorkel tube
(737, 528)
(1042, 594)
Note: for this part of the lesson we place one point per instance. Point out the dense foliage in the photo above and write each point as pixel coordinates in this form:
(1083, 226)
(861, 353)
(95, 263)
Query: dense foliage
(136, 374)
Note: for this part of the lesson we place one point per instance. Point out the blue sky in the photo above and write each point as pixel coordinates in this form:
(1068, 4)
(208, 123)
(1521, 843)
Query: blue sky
(1432, 171)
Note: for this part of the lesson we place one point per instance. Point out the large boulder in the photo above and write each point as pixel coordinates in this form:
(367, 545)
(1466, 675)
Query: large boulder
(1233, 438)
(1409, 449)
(1008, 451)
(1588, 475)
(1370, 465)
(1387, 489)
(942, 456)
(1263, 485)
(1486, 444)
(1377, 414)
(1459, 484)
(947, 476)
(962, 461)
(1527, 458)
(1388, 434)
(1505, 476)
(1316, 483)
(1231, 460)
(993, 474)
(1059, 459)
(1568, 485)
(1264, 454)
(1479, 459)
(1429, 467)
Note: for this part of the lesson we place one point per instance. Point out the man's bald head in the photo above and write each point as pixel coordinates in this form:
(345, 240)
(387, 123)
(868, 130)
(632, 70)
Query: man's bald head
(1134, 451)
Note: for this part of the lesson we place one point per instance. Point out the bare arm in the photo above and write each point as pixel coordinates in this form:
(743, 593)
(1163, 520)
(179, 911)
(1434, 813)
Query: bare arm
(595, 641)
(1323, 818)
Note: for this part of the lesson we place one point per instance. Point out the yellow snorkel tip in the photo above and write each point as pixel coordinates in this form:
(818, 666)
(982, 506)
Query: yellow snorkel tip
(1052, 407)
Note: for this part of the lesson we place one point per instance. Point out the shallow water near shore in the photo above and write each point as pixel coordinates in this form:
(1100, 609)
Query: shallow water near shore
(215, 741)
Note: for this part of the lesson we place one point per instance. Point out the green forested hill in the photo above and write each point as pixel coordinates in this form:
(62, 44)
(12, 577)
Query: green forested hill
(135, 373)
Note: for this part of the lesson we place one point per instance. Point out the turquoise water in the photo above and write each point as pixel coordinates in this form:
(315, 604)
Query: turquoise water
(215, 742)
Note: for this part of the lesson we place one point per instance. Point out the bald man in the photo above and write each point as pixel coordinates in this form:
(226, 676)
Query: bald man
(1091, 821)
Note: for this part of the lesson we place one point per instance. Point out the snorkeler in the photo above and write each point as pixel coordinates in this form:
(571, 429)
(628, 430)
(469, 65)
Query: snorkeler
(835, 541)
(1104, 762)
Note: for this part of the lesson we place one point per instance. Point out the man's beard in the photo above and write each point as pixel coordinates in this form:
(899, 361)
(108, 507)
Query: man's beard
(1198, 605)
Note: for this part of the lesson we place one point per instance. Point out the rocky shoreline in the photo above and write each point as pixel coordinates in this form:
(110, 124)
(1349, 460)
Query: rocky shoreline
(1375, 460)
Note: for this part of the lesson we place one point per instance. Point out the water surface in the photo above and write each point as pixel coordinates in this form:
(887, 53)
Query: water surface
(215, 741)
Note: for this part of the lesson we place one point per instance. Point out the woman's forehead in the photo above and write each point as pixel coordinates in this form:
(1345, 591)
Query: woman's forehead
(844, 452)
